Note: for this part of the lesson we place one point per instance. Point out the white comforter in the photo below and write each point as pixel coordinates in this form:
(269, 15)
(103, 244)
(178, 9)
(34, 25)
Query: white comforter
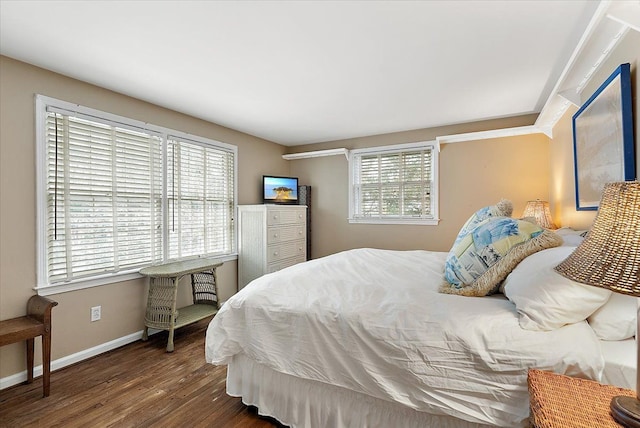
(372, 321)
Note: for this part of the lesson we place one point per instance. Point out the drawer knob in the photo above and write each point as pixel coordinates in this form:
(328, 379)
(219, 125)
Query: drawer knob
(275, 235)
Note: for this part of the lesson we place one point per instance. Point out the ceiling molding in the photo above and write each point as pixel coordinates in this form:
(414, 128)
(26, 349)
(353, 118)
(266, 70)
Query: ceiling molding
(612, 20)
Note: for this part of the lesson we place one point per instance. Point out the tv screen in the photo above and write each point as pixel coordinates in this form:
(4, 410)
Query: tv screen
(279, 190)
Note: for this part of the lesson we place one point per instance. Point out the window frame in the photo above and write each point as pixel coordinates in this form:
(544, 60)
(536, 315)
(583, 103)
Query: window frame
(190, 140)
(397, 148)
(42, 103)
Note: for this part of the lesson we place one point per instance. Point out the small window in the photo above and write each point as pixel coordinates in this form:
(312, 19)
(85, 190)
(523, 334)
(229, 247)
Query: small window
(394, 184)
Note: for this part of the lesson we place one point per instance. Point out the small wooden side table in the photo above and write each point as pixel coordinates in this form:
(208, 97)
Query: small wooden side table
(559, 401)
(161, 310)
(36, 323)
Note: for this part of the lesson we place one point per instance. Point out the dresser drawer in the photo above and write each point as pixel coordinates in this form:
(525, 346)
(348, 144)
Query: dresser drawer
(286, 250)
(280, 217)
(276, 266)
(285, 234)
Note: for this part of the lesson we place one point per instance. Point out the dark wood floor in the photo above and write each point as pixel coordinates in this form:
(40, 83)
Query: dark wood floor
(137, 385)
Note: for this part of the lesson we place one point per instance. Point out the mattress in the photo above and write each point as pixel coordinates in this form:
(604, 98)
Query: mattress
(372, 322)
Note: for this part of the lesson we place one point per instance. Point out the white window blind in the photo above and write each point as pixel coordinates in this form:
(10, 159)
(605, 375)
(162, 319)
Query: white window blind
(394, 184)
(104, 193)
(201, 199)
(115, 195)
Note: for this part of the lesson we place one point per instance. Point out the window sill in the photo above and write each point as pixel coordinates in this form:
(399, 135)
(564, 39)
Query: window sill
(417, 222)
(81, 284)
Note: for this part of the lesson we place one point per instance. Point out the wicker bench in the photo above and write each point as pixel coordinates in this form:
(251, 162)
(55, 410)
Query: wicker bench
(36, 323)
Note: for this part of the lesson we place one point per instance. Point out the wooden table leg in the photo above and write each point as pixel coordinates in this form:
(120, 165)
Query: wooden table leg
(46, 363)
(30, 350)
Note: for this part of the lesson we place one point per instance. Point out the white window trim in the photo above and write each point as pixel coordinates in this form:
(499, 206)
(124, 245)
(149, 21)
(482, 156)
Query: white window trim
(434, 145)
(43, 287)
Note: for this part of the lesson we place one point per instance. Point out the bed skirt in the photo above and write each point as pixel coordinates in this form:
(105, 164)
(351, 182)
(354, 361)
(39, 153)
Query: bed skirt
(301, 403)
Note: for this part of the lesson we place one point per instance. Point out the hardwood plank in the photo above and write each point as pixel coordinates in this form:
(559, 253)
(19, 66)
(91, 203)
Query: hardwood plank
(138, 385)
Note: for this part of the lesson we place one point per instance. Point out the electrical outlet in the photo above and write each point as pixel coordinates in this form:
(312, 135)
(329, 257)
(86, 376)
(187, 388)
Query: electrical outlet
(95, 313)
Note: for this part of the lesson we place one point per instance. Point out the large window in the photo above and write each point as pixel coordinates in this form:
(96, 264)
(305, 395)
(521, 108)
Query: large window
(394, 184)
(115, 195)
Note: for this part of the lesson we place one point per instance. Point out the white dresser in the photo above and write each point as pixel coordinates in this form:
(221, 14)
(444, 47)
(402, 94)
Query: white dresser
(271, 237)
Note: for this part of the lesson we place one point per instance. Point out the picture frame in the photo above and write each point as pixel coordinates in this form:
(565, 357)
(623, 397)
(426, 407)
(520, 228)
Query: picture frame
(603, 147)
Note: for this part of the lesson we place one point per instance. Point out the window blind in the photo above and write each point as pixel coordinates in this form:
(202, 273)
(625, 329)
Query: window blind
(200, 182)
(393, 184)
(104, 198)
(116, 194)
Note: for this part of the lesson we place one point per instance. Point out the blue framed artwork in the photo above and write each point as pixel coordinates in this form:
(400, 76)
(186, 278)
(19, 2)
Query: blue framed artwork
(603, 148)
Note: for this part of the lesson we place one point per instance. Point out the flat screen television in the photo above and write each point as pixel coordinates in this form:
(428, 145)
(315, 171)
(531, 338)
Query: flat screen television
(279, 190)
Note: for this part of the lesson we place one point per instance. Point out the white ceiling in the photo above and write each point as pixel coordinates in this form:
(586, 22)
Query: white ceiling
(298, 72)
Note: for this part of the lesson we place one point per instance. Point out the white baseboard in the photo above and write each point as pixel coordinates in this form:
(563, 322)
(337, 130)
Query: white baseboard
(18, 378)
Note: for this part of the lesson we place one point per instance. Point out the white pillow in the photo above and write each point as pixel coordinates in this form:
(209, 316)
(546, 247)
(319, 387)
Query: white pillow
(571, 237)
(616, 319)
(546, 300)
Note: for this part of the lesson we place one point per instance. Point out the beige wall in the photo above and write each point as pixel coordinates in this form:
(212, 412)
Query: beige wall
(473, 174)
(562, 172)
(122, 303)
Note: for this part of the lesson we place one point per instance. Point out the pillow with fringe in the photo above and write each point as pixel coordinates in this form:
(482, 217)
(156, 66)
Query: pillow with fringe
(481, 260)
(504, 208)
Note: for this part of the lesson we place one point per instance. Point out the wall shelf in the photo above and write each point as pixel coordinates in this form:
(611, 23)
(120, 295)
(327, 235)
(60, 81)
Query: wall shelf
(494, 133)
(317, 154)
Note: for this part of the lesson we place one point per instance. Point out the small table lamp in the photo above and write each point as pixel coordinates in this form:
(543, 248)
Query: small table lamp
(609, 257)
(540, 211)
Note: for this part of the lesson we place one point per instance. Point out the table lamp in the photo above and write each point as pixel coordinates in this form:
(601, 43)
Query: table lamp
(609, 257)
(540, 211)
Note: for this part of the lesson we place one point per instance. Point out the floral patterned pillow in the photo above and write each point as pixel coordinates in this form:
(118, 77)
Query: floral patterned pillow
(504, 208)
(481, 259)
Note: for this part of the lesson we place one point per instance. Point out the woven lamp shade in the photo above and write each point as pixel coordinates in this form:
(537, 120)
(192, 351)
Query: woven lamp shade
(609, 257)
(540, 211)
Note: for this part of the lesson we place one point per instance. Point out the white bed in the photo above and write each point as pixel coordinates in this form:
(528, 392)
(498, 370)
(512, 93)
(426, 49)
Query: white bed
(363, 338)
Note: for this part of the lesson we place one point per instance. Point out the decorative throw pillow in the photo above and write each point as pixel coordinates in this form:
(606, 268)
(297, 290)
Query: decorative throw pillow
(482, 259)
(504, 208)
(546, 300)
(616, 319)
